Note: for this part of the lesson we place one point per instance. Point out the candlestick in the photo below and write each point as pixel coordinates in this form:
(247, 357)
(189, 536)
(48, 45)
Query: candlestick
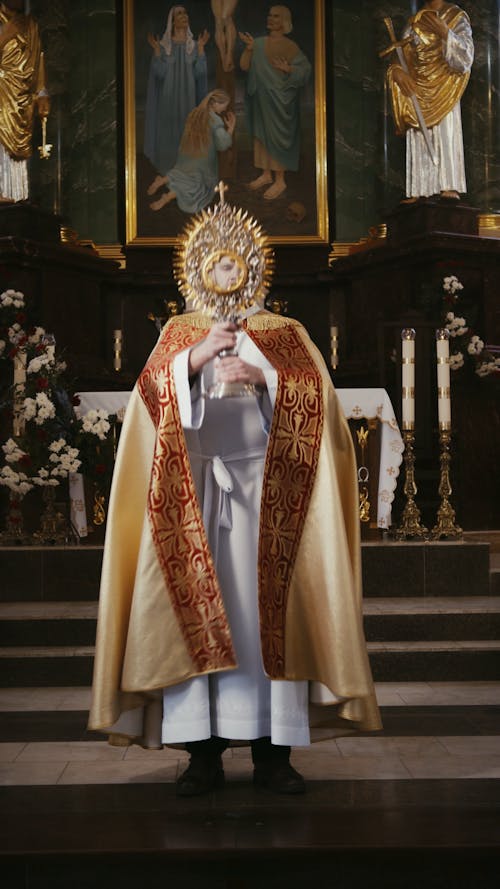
(334, 342)
(445, 524)
(443, 377)
(117, 349)
(410, 525)
(408, 377)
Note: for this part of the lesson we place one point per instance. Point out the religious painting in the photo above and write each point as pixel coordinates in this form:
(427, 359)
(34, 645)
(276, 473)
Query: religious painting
(230, 90)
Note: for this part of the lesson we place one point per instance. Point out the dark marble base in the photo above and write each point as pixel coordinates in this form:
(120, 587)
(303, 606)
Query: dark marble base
(389, 569)
(426, 569)
(51, 573)
(428, 215)
(24, 220)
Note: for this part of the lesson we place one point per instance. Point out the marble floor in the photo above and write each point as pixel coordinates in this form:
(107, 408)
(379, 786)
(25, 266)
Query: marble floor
(440, 748)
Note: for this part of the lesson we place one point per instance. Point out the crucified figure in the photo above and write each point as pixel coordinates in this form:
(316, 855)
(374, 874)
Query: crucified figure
(225, 31)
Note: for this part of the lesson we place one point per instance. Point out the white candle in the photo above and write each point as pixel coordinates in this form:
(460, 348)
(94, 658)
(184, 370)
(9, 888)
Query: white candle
(443, 377)
(408, 377)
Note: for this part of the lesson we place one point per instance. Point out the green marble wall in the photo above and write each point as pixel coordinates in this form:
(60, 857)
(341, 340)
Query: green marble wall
(80, 181)
(83, 181)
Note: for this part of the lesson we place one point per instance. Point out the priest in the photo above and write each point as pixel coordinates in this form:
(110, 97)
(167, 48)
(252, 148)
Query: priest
(230, 605)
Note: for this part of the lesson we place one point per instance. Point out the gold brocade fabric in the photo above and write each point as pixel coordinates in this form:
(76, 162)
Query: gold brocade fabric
(161, 616)
(438, 87)
(22, 77)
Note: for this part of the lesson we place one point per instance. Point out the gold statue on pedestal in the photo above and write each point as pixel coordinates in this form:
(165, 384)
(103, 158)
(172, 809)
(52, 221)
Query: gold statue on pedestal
(22, 90)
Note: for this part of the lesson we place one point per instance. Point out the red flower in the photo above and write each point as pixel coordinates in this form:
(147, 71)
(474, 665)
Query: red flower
(100, 468)
(20, 317)
(13, 352)
(42, 383)
(25, 460)
(41, 434)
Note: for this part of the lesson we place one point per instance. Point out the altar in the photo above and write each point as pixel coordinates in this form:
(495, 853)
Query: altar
(378, 445)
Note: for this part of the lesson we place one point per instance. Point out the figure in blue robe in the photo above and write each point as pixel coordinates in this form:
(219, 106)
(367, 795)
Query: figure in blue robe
(177, 83)
(192, 180)
(277, 70)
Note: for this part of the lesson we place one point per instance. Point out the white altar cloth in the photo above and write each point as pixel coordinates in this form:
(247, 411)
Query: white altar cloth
(371, 403)
(356, 403)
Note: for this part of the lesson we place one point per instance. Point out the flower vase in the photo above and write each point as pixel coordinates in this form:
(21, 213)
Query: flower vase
(53, 523)
(14, 532)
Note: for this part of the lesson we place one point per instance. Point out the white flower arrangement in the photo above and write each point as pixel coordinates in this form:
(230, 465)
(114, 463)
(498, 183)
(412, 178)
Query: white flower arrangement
(470, 344)
(50, 442)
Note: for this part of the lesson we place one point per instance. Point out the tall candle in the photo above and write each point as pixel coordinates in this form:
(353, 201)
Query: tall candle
(408, 377)
(443, 377)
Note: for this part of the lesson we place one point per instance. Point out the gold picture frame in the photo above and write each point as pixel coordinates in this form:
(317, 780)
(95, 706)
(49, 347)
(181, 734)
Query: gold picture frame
(297, 216)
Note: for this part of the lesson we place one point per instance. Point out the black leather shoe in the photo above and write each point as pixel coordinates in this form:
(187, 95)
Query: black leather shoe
(279, 777)
(203, 774)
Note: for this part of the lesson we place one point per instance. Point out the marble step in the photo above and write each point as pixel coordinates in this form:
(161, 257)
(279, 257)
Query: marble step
(441, 568)
(403, 661)
(435, 618)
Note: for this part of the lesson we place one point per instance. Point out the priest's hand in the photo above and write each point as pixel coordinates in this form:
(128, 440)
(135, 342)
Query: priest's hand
(221, 336)
(232, 369)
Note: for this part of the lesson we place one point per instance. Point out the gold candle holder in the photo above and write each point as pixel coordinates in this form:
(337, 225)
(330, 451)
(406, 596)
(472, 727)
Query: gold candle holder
(117, 350)
(334, 346)
(445, 520)
(410, 525)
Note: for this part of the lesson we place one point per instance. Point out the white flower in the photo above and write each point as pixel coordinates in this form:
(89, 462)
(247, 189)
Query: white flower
(2, 346)
(36, 336)
(456, 360)
(17, 482)
(35, 365)
(451, 284)
(15, 333)
(456, 326)
(12, 298)
(475, 346)
(96, 422)
(29, 408)
(56, 446)
(38, 409)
